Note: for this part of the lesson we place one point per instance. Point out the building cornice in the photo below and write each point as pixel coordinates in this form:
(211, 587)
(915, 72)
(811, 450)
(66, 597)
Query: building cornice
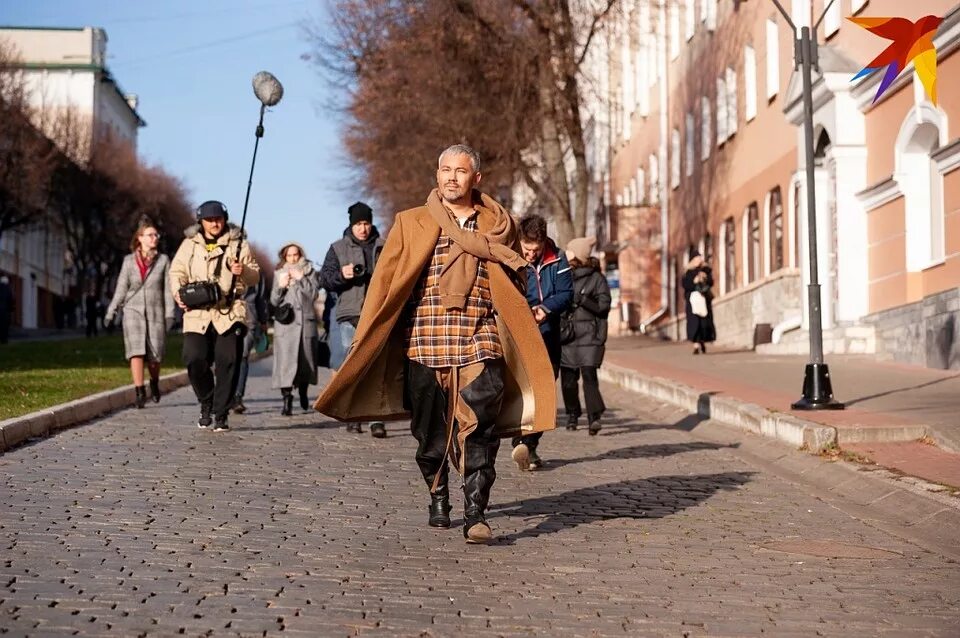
(879, 194)
(948, 157)
(946, 41)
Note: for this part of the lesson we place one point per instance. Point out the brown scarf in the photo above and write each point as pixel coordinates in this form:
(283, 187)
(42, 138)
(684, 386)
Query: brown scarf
(459, 273)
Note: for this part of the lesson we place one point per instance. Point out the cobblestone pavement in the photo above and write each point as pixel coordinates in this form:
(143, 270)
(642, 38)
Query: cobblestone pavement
(141, 524)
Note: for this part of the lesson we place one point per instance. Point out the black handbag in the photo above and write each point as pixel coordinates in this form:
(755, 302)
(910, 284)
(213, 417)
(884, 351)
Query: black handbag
(283, 313)
(203, 294)
(568, 331)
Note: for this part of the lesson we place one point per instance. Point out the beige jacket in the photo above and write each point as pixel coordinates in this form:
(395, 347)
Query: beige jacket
(193, 263)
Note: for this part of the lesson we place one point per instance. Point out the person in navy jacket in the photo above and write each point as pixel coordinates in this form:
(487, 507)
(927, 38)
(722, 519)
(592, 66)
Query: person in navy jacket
(549, 293)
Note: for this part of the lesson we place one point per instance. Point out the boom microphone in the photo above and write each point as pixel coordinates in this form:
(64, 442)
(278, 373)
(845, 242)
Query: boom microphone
(267, 88)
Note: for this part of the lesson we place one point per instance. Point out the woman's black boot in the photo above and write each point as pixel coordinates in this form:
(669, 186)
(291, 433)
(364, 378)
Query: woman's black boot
(141, 396)
(155, 390)
(287, 409)
(304, 403)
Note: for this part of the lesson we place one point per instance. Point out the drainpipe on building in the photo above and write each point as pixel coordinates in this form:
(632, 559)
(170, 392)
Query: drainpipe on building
(664, 85)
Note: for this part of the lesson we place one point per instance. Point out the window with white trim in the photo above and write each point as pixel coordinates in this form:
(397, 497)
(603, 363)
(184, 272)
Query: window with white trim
(751, 236)
(645, 74)
(731, 101)
(706, 138)
(674, 23)
(674, 158)
(749, 83)
(775, 229)
(689, 18)
(708, 13)
(728, 233)
(722, 116)
(773, 59)
(833, 18)
(632, 192)
(689, 143)
(654, 179)
(800, 13)
(857, 5)
(641, 186)
(922, 186)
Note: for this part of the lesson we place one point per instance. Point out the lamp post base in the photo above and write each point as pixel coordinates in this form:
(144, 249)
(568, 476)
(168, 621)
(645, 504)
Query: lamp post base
(817, 390)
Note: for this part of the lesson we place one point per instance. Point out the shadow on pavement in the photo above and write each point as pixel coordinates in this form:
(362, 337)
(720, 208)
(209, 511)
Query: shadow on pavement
(889, 392)
(634, 499)
(639, 452)
(615, 427)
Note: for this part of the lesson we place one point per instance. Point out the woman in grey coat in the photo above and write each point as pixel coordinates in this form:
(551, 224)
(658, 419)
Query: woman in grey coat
(584, 354)
(147, 304)
(294, 343)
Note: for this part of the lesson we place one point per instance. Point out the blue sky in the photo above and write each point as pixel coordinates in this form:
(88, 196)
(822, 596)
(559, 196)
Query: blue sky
(191, 65)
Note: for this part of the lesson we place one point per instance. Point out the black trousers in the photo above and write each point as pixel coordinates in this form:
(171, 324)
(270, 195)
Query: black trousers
(552, 341)
(569, 385)
(478, 406)
(214, 387)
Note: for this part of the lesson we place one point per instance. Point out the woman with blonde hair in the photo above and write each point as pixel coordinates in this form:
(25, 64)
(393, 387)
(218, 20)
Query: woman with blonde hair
(295, 326)
(147, 304)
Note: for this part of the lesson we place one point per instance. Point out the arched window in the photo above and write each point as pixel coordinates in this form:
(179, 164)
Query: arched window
(922, 133)
(728, 231)
(752, 237)
(775, 230)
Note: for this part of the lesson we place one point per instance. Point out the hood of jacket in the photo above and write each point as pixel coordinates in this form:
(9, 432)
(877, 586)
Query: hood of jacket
(232, 233)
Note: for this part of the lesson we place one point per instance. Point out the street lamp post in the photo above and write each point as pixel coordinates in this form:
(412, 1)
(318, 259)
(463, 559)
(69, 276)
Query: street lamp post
(817, 387)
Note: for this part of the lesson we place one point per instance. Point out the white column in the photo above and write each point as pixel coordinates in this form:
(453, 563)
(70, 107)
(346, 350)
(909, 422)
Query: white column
(852, 245)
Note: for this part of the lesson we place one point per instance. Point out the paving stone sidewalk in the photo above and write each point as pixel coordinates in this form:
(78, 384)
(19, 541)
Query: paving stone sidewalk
(141, 524)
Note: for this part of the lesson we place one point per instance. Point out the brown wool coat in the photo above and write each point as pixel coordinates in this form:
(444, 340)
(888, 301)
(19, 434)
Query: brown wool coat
(369, 384)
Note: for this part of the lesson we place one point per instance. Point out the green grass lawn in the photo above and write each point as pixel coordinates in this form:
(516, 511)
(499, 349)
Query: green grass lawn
(39, 374)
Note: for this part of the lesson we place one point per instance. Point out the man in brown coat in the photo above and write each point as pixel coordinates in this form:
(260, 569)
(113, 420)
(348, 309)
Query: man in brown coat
(446, 339)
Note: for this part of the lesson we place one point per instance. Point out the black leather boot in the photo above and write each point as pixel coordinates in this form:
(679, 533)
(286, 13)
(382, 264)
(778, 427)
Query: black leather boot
(440, 509)
(287, 408)
(155, 390)
(304, 403)
(141, 396)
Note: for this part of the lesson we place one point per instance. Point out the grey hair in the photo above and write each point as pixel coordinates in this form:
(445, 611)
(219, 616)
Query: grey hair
(463, 149)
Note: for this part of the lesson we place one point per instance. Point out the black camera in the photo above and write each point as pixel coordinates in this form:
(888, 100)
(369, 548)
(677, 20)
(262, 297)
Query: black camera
(200, 294)
(359, 270)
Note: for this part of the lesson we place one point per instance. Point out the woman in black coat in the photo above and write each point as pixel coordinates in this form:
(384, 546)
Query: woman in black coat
(699, 279)
(584, 354)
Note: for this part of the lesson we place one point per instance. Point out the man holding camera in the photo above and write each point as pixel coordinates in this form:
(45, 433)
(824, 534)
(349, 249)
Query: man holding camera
(208, 283)
(346, 271)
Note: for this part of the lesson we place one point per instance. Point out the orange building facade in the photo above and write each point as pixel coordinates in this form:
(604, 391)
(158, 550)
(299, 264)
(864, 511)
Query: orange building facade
(706, 153)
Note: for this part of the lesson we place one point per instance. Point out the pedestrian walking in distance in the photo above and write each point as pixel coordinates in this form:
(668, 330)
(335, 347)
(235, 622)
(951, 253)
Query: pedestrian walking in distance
(147, 304)
(697, 284)
(446, 339)
(257, 316)
(549, 293)
(347, 271)
(213, 335)
(294, 336)
(584, 335)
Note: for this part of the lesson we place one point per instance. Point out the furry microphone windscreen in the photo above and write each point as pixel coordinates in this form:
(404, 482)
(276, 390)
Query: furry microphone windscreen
(267, 88)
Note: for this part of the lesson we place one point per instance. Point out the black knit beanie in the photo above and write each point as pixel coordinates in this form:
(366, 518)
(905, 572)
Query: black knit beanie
(360, 212)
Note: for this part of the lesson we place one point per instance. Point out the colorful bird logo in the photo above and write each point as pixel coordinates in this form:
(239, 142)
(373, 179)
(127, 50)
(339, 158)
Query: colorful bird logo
(912, 41)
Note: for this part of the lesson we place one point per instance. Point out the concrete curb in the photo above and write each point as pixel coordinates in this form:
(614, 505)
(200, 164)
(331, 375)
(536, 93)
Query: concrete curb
(48, 421)
(43, 423)
(739, 414)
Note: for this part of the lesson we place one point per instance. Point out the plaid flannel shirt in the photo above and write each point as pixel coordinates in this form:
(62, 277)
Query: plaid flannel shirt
(440, 338)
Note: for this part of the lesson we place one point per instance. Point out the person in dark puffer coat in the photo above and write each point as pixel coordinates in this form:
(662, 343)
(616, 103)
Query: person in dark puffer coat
(584, 355)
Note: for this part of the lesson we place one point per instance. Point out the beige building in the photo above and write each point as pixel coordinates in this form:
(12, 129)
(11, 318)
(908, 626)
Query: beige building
(706, 153)
(64, 68)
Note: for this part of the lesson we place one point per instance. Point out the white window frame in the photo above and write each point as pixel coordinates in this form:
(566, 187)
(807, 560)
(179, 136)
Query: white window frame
(674, 30)
(833, 18)
(706, 135)
(689, 143)
(645, 74)
(772, 36)
(654, 164)
(690, 19)
(722, 117)
(674, 158)
(708, 13)
(800, 13)
(857, 5)
(641, 186)
(732, 111)
(749, 83)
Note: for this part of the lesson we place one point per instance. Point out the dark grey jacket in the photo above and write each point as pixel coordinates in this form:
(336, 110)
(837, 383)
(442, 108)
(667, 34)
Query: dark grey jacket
(350, 292)
(591, 304)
